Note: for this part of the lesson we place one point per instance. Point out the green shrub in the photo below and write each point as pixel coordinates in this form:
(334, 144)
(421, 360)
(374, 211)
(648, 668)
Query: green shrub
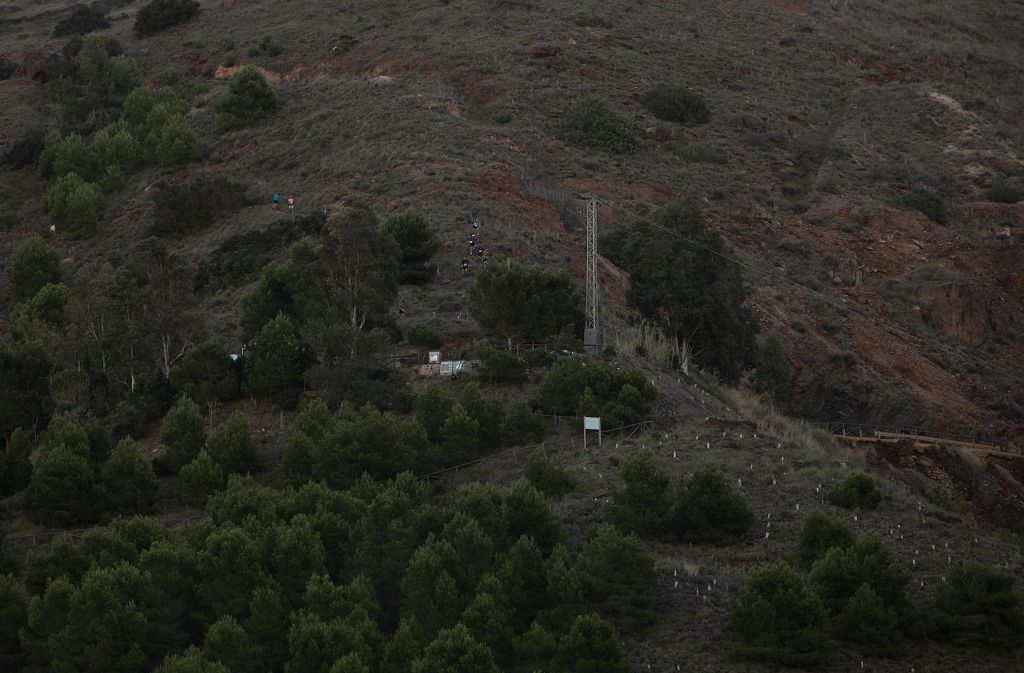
(424, 335)
(417, 243)
(498, 366)
(839, 574)
(35, 265)
(159, 15)
(979, 606)
(820, 533)
(96, 83)
(777, 620)
(676, 104)
(539, 358)
(229, 59)
(549, 478)
(617, 576)
(927, 203)
(521, 424)
(856, 491)
(643, 506)
(1002, 191)
(197, 204)
(82, 20)
(200, 478)
(75, 203)
(270, 46)
(238, 258)
(708, 509)
(564, 388)
(248, 100)
(870, 624)
(589, 122)
(25, 152)
(773, 370)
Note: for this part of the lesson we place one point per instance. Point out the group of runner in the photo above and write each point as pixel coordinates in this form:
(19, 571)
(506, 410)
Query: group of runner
(290, 201)
(476, 247)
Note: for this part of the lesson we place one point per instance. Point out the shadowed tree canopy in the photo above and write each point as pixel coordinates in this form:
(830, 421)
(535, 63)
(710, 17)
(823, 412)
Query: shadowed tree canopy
(689, 285)
(35, 264)
(24, 386)
(360, 265)
(417, 243)
(515, 301)
(777, 620)
(91, 96)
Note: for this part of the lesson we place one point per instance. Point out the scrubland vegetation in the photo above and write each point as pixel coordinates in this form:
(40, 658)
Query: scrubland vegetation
(224, 448)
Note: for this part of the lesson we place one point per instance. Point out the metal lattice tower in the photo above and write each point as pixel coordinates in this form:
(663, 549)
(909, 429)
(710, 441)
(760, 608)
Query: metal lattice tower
(592, 336)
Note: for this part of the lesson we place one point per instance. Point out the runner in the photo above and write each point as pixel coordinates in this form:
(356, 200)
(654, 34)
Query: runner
(291, 205)
(277, 200)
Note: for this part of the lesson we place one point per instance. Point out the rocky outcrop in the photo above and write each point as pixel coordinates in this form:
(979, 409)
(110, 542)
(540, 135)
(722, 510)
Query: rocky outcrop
(964, 311)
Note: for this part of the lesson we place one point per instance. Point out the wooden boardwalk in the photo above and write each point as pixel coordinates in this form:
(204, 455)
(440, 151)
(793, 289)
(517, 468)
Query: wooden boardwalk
(924, 441)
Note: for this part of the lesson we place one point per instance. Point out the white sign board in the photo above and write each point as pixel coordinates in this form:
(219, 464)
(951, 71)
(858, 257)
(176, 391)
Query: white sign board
(592, 423)
(434, 357)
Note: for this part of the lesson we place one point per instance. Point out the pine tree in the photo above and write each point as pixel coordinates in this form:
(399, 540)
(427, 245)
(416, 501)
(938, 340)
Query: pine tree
(486, 504)
(489, 619)
(472, 551)
(617, 576)
(433, 406)
(403, 648)
(455, 651)
(590, 646)
(521, 424)
(839, 574)
(200, 478)
(644, 505)
(206, 374)
(228, 644)
(978, 605)
(63, 489)
(431, 594)
(529, 513)
(773, 370)
(267, 625)
(232, 448)
(272, 364)
(459, 436)
(486, 412)
(24, 386)
(709, 509)
(417, 243)
(777, 620)
(35, 264)
(129, 480)
(295, 554)
(525, 581)
(248, 100)
(15, 464)
(564, 591)
(192, 661)
(13, 617)
(183, 435)
(820, 533)
(869, 624)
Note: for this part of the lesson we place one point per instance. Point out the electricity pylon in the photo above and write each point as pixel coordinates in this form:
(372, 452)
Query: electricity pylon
(593, 338)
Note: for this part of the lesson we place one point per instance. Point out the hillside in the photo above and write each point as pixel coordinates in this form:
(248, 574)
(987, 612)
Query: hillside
(230, 242)
(822, 114)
